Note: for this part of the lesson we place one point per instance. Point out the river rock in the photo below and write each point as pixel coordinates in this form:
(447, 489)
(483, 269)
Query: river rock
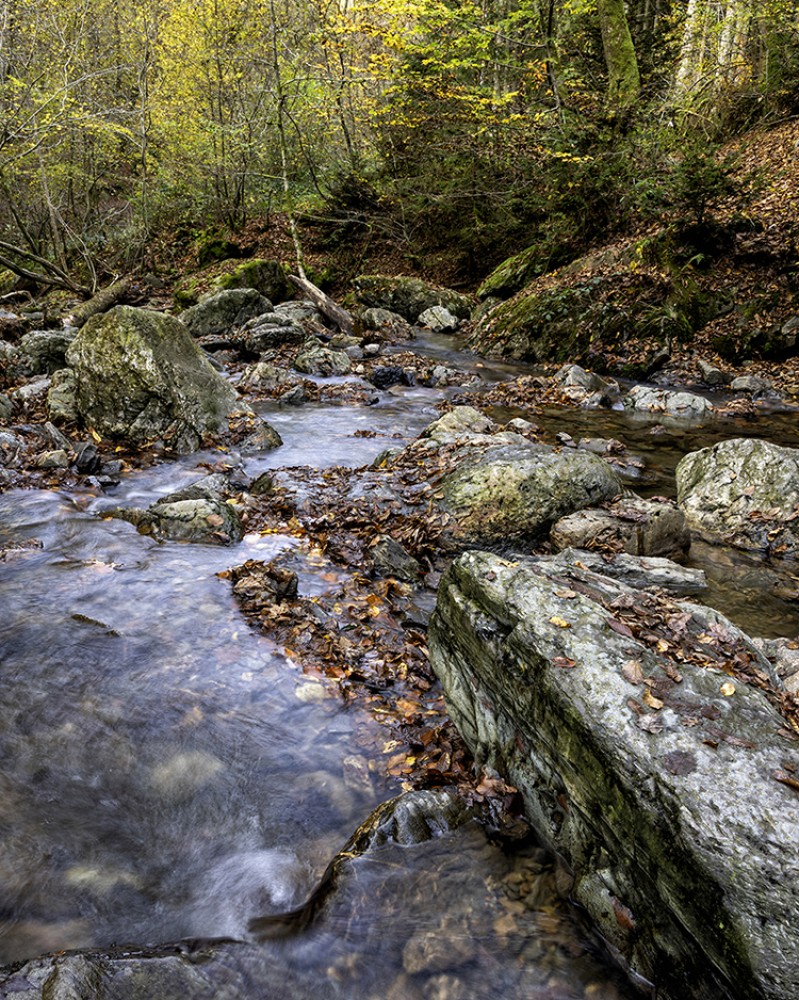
(318, 360)
(391, 559)
(744, 492)
(409, 297)
(658, 794)
(6, 408)
(516, 491)
(636, 571)
(439, 320)
(44, 351)
(62, 406)
(197, 513)
(461, 423)
(648, 399)
(587, 388)
(139, 376)
(219, 312)
(640, 527)
(30, 391)
(752, 384)
(263, 438)
(270, 330)
(711, 375)
(385, 320)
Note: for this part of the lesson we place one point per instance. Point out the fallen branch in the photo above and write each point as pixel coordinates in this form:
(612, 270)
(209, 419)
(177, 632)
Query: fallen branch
(324, 304)
(100, 302)
(48, 273)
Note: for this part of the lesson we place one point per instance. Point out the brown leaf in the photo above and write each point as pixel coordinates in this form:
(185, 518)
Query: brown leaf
(632, 672)
(567, 595)
(620, 627)
(786, 779)
(564, 662)
(653, 702)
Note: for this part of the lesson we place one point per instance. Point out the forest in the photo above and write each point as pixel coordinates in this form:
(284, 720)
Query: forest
(458, 132)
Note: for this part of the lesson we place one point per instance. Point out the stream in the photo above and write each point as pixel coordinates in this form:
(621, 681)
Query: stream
(168, 773)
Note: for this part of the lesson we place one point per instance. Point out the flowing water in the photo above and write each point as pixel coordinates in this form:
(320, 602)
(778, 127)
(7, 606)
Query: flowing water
(168, 773)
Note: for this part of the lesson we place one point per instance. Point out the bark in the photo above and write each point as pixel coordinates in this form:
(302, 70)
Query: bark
(100, 302)
(324, 303)
(624, 82)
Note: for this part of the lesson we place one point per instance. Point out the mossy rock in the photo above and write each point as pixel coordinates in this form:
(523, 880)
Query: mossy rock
(518, 271)
(409, 297)
(266, 276)
(585, 319)
(187, 292)
(215, 248)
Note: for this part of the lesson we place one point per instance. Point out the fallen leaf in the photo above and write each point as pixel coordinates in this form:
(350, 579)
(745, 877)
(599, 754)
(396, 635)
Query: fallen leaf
(620, 627)
(728, 689)
(652, 701)
(567, 595)
(632, 672)
(559, 622)
(563, 662)
(785, 779)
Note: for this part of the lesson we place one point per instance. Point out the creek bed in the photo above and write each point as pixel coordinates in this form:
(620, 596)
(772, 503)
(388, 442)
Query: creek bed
(170, 774)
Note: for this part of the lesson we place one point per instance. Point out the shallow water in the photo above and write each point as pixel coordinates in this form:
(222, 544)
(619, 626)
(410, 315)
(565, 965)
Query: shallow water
(168, 773)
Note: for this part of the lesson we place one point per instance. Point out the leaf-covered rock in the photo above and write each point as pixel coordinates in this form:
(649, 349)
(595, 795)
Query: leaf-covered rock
(139, 376)
(653, 779)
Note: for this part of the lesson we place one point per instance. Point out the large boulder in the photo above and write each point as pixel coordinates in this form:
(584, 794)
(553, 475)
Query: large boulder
(322, 361)
(744, 492)
(223, 310)
(139, 376)
(649, 399)
(513, 492)
(197, 513)
(409, 297)
(266, 276)
(44, 351)
(653, 778)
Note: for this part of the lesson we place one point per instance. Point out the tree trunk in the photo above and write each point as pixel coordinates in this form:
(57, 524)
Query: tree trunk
(624, 83)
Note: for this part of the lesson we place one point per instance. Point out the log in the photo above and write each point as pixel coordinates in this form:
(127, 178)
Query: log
(324, 304)
(100, 302)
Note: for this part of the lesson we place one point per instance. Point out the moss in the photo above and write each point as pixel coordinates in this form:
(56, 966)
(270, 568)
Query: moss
(515, 273)
(266, 276)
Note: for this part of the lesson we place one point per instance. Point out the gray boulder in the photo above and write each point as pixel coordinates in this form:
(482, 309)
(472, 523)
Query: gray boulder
(219, 312)
(139, 376)
(318, 360)
(268, 277)
(641, 572)
(409, 297)
(516, 491)
(270, 330)
(744, 492)
(634, 525)
(62, 406)
(44, 351)
(647, 399)
(653, 779)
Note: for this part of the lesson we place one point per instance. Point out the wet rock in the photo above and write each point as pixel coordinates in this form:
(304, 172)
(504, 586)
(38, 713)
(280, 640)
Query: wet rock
(636, 571)
(219, 312)
(409, 297)
(44, 351)
(391, 559)
(459, 424)
(299, 311)
(86, 458)
(386, 320)
(62, 405)
(646, 399)
(139, 376)
(185, 774)
(639, 527)
(6, 408)
(752, 384)
(197, 513)
(622, 776)
(514, 492)
(58, 459)
(271, 330)
(438, 949)
(384, 376)
(711, 375)
(587, 388)
(784, 654)
(263, 438)
(293, 397)
(439, 320)
(266, 377)
(322, 361)
(744, 492)
(271, 582)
